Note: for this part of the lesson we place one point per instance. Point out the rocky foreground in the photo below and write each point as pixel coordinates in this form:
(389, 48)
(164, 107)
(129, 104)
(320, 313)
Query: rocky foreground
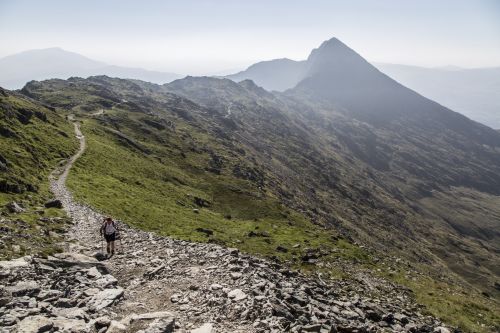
(157, 284)
(163, 285)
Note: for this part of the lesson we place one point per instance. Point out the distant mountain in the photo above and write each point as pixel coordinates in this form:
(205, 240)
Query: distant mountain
(17, 69)
(472, 92)
(278, 74)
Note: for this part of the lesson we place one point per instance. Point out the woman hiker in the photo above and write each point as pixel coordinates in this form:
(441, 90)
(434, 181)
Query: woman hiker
(109, 230)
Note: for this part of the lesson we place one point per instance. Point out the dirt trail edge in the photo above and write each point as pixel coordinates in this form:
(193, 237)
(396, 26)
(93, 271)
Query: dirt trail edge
(157, 284)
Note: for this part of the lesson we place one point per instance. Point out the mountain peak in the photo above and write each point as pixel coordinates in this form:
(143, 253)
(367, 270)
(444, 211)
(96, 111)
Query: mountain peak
(333, 54)
(332, 41)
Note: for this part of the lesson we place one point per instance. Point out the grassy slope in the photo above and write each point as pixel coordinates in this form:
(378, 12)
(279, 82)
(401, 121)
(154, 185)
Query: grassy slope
(34, 140)
(157, 193)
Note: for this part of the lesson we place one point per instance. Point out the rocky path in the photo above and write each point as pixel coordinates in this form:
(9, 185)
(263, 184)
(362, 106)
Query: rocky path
(157, 284)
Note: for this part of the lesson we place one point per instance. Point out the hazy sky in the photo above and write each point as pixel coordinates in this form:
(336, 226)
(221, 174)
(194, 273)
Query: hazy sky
(187, 36)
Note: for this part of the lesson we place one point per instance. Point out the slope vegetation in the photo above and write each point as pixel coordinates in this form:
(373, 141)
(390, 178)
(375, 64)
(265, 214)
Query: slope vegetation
(33, 140)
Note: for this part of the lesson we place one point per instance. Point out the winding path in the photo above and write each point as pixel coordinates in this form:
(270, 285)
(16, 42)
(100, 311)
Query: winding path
(86, 220)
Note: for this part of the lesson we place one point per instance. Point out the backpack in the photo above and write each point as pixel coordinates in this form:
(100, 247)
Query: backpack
(104, 225)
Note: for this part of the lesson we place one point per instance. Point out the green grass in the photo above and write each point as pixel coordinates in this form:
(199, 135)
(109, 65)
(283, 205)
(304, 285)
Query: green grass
(459, 306)
(32, 149)
(157, 194)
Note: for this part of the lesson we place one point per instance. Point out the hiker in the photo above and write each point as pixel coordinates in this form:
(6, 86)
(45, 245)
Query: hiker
(109, 230)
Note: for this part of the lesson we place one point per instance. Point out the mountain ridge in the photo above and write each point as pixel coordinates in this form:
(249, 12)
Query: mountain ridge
(481, 104)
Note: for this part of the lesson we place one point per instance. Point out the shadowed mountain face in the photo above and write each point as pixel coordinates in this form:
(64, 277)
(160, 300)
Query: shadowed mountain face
(339, 76)
(17, 69)
(472, 92)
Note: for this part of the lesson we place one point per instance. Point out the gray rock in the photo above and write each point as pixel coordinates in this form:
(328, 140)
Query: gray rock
(64, 302)
(15, 263)
(162, 325)
(101, 322)
(106, 281)
(401, 318)
(70, 313)
(152, 315)
(14, 207)
(116, 326)
(215, 286)
(175, 298)
(24, 288)
(5, 296)
(205, 328)
(312, 328)
(70, 325)
(104, 298)
(8, 319)
(35, 324)
(237, 295)
(94, 273)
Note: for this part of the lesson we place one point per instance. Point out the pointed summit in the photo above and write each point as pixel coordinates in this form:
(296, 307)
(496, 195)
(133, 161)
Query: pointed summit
(339, 75)
(333, 55)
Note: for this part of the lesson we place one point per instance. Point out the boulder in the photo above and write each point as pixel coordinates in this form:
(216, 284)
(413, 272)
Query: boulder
(54, 204)
(205, 328)
(66, 259)
(14, 207)
(94, 273)
(104, 298)
(282, 249)
(312, 328)
(215, 286)
(205, 231)
(237, 295)
(15, 263)
(102, 322)
(5, 296)
(70, 313)
(106, 281)
(35, 324)
(70, 325)
(24, 288)
(161, 325)
(116, 326)
(152, 315)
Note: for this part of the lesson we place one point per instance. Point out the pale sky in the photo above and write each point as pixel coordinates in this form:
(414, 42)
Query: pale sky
(207, 37)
